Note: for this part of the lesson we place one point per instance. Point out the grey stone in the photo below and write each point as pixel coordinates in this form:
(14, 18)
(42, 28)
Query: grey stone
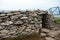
(49, 38)
(45, 30)
(28, 30)
(32, 22)
(2, 14)
(42, 34)
(33, 27)
(24, 17)
(2, 35)
(12, 32)
(6, 36)
(4, 31)
(24, 33)
(53, 33)
(16, 13)
(22, 29)
(1, 27)
(7, 23)
(32, 31)
(4, 24)
(29, 27)
(36, 19)
(34, 14)
(18, 22)
(9, 14)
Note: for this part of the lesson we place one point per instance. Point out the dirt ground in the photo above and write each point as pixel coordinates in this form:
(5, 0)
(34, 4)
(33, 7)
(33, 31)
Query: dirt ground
(57, 25)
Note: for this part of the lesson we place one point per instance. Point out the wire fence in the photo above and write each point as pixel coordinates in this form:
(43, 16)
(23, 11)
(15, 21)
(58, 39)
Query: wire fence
(54, 11)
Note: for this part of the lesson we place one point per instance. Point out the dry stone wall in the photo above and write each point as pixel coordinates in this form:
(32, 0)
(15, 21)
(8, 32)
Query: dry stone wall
(16, 23)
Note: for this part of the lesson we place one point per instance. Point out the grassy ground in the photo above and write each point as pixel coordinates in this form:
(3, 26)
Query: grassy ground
(57, 20)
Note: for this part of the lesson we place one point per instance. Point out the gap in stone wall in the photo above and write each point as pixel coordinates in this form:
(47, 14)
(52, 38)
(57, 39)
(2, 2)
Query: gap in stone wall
(44, 21)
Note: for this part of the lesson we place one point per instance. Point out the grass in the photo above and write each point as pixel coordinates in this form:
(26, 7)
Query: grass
(57, 20)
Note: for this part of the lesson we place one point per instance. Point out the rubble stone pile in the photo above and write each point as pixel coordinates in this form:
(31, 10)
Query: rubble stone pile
(45, 34)
(16, 23)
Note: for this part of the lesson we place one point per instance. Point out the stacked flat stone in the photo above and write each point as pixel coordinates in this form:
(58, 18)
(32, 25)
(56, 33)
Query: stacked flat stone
(49, 21)
(16, 23)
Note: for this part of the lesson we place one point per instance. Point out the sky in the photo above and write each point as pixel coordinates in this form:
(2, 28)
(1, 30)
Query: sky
(28, 4)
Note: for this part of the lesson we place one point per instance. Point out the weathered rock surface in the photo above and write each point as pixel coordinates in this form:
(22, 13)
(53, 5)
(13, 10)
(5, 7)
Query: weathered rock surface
(51, 35)
(16, 23)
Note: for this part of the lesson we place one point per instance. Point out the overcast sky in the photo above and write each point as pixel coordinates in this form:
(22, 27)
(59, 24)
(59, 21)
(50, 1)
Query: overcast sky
(28, 4)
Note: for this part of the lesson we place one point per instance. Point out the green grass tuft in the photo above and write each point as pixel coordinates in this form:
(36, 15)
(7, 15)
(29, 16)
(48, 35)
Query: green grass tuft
(57, 20)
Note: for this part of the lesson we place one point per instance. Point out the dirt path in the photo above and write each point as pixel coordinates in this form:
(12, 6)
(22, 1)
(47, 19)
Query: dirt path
(57, 25)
